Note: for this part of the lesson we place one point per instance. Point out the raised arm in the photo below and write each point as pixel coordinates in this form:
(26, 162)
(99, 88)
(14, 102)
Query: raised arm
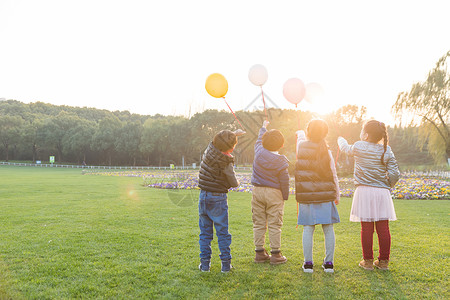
(344, 146)
(301, 136)
(263, 130)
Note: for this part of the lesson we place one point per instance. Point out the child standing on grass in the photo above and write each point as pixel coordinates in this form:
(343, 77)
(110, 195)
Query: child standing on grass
(376, 171)
(316, 191)
(270, 179)
(216, 176)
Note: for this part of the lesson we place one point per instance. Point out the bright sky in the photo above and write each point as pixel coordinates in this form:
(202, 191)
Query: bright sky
(151, 57)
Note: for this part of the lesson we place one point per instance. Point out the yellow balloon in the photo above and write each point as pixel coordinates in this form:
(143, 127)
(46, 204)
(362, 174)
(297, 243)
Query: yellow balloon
(216, 85)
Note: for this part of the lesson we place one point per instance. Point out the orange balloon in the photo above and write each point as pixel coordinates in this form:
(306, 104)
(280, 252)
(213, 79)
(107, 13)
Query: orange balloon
(216, 85)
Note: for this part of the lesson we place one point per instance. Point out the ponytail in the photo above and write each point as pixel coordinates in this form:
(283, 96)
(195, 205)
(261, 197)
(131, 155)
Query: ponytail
(377, 131)
(316, 132)
(323, 159)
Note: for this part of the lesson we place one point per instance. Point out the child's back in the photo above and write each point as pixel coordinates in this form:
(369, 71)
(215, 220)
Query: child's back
(216, 171)
(270, 179)
(216, 176)
(316, 191)
(369, 170)
(376, 171)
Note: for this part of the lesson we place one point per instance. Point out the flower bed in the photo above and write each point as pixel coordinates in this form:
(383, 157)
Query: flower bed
(410, 186)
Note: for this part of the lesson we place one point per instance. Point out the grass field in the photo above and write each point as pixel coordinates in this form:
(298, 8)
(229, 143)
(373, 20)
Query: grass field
(66, 235)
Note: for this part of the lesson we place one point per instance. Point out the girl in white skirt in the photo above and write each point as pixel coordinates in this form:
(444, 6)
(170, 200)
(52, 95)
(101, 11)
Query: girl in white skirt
(376, 171)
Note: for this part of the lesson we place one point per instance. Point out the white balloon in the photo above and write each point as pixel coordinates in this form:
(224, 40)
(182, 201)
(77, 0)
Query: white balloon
(258, 75)
(314, 91)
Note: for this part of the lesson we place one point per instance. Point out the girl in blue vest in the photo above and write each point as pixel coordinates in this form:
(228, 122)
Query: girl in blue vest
(316, 191)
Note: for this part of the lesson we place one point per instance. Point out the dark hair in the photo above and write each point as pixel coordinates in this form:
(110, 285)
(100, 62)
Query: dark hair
(376, 131)
(316, 132)
(273, 140)
(225, 140)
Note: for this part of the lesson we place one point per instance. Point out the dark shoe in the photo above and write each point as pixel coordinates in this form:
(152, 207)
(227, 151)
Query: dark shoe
(226, 266)
(328, 267)
(204, 265)
(261, 256)
(308, 267)
(277, 258)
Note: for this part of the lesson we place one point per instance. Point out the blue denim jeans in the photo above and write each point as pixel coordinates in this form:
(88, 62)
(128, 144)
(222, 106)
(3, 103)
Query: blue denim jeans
(213, 211)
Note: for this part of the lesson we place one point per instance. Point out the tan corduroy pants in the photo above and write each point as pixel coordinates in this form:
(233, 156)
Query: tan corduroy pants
(267, 213)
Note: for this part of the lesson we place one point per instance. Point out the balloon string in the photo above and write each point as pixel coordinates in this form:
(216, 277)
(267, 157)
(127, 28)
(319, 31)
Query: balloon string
(337, 157)
(338, 150)
(337, 153)
(233, 113)
(298, 117)
(264, 103)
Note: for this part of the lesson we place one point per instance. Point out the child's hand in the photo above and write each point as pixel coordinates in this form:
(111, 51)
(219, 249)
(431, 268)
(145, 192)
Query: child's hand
(239, 132)
(300, 133)
(266, 123)
(336, 201)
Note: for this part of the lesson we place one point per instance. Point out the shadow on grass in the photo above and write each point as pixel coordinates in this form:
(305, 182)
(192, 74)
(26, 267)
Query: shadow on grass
(183, 198)
(384, 284)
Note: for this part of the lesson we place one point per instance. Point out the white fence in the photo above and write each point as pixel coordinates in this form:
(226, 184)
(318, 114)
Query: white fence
(441, 174)
(108, 167)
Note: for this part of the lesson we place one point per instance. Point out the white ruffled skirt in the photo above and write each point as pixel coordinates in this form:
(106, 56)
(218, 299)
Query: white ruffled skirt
(371, 204)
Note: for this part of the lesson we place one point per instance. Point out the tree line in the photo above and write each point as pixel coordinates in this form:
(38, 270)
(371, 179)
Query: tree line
(35, 131)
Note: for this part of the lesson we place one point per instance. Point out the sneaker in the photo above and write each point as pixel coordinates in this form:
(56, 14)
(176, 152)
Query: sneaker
(308, 267)
(226, 266)
(276, 258)
(381, 264)
(204, 265)
(328, 267)
(261, 256)
(366, 264)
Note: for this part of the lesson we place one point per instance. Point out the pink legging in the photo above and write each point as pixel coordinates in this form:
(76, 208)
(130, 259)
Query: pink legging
(384, 239)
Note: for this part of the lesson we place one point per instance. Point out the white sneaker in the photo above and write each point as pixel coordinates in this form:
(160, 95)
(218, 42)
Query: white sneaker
(308, 267)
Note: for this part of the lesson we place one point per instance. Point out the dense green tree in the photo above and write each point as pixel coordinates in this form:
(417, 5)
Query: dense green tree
(180, 140)
(29, 137)
(105, 137)
(78, 139)
(129, 140)
(430, 102)
(155, 143)
(9, 131)
(54, 131)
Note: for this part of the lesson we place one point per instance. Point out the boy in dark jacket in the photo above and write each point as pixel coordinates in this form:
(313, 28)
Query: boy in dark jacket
(270, 179)
(216, 176)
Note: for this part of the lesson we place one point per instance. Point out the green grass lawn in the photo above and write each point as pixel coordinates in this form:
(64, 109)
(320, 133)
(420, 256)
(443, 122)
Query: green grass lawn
(66, 235)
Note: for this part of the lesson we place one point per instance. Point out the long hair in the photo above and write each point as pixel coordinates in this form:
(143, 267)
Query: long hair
(316, 132)
(376, 131)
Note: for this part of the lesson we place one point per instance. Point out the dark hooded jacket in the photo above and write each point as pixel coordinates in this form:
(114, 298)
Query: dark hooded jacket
(270, 169)
(216, 171)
